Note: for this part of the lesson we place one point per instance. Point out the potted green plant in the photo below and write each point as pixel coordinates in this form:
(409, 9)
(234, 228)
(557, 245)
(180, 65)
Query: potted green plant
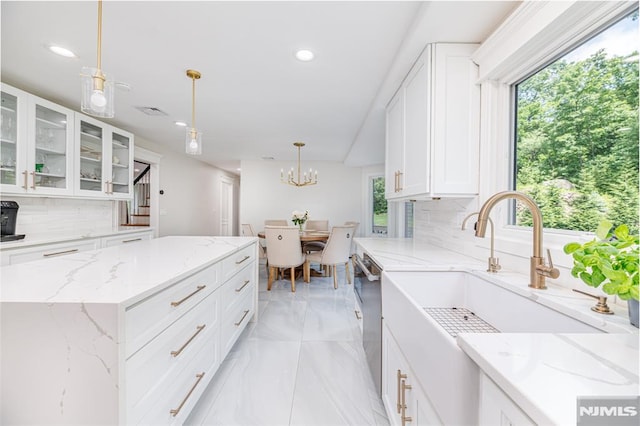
(610, 260)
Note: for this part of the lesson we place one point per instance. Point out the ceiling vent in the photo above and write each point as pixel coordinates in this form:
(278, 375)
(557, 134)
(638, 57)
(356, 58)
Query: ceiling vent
(152, 111)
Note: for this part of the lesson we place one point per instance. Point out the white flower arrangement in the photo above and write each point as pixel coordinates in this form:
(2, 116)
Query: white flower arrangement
(298, 217)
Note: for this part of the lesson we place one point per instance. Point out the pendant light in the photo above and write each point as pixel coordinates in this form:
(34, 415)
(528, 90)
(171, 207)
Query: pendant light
(304, 180)
(193, 141)
(97, 91)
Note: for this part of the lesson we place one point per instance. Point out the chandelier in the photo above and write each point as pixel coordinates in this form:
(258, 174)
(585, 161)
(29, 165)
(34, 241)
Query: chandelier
(97, 91)
(303, 180)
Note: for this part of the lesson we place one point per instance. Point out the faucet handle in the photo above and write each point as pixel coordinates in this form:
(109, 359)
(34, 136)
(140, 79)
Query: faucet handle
(548, 271)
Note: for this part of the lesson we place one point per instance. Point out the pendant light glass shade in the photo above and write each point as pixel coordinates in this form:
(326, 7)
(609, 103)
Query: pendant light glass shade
(97, 93)
(193, 140)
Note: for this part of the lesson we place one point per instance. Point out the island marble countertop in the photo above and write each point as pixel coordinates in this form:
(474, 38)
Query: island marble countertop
(123, 273)
(544, 374)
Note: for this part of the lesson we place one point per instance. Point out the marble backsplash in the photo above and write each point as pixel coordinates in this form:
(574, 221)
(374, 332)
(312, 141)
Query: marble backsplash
(51, 217)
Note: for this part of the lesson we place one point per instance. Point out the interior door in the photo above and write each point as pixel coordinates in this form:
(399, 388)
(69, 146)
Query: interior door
(226, 206)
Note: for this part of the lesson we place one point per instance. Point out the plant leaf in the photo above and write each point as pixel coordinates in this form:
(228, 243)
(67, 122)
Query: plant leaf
(622, 232)
(584, 276)
(571, 247)
(603, 229)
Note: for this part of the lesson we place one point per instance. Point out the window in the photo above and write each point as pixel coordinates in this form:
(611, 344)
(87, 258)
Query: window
(379, 216)
(576, 133)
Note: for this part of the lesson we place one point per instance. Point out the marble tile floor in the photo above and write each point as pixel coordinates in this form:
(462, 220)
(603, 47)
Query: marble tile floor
(301, 364)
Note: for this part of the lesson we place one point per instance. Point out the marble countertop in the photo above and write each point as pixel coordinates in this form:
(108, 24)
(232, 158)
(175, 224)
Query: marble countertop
(545, 373)
(123, 273)
(32, 241)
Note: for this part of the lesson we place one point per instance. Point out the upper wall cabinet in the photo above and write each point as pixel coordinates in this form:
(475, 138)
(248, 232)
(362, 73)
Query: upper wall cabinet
(433, 127)
(104, 158)
(37, 145)
(49, 150)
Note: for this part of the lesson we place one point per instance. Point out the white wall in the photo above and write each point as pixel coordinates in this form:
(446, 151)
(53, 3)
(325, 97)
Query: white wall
(190, 204)
(337, 196)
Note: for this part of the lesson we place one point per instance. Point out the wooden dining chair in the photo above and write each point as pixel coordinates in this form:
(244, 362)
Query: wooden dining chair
(283, 251)
(335, 252)
(317, 225)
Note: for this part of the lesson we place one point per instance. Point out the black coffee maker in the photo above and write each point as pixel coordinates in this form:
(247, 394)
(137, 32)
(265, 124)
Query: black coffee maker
(8, 216)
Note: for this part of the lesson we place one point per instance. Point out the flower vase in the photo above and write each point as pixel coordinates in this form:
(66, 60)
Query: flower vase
(300, 225)
(633, 312)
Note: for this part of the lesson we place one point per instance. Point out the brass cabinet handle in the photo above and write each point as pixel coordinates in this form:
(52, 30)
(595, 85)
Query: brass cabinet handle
(174, 412)
(399, 181)
(59, 253)
(26, 180)
(395, 182)
(132, 240)
(238, 290)
(242, 319)
(199, 288)
(240, 261)
(358, 315)
(179, 351)
(33, 180)
(399, 377)
(404, 417)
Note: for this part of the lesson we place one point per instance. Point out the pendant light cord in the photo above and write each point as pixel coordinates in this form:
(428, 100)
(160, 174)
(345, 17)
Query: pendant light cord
(99, 33)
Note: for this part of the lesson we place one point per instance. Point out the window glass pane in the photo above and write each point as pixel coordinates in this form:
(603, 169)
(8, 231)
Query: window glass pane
(577, 134)
(379, 213)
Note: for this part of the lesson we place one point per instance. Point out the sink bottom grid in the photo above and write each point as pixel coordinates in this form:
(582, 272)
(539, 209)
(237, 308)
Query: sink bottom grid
(460, 320)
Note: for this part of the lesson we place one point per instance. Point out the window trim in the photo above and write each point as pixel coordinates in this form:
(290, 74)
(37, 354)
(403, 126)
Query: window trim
(535, 35)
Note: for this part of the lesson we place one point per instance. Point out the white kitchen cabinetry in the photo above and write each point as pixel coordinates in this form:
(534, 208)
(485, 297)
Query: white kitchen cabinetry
(46, 251)
(433, 122)
(104, 159)
(37, 145)
(405, 401)
(497, 409)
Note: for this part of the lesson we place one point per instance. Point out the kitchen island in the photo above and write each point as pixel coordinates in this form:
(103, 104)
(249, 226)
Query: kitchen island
(527, 378)
(124, 335)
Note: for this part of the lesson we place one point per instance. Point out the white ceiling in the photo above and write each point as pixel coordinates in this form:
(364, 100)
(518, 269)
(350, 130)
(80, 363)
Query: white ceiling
(254, 99)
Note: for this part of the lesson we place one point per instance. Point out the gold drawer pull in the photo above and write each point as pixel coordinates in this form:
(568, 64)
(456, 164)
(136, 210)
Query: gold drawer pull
(174, 304)
(59, 253)
(179, 351)
(175, 411)
(358, 317)
(33, 180)
(238, 290)
(26, 180)
(132, 240)
(240, 261)
(404, 417)
(242, 319)
(399, 377)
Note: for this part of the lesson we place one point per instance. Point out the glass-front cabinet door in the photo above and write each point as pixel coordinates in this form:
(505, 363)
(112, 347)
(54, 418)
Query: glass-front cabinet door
(12, 154)
(37, 138)
(121, 185)
(91, 157)
(49, 163)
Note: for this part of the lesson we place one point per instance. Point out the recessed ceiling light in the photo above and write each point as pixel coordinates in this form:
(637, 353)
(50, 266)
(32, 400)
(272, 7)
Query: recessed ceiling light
(62, 51)
(180, 123)
(304, 55)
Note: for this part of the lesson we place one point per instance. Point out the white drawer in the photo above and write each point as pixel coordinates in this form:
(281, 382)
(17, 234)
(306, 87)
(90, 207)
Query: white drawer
(154, 367)
(149, 317)
(237, 287)
(126, 239)
(11, 257)
(182, 392)
(234, 321)
(234, 263)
